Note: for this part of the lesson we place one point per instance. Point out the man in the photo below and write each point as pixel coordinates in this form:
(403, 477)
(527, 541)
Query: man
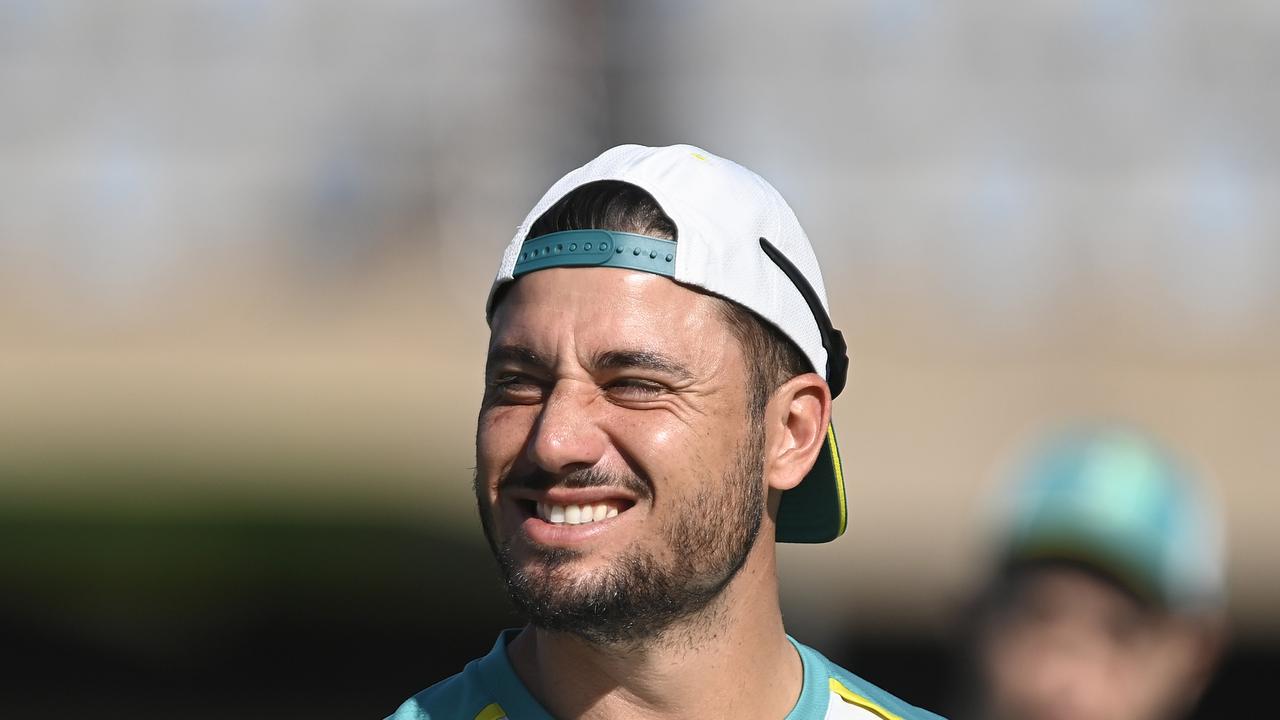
(657, 411)
(1106, 603)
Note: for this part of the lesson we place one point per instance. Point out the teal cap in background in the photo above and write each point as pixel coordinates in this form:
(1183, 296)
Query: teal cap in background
(1112, 499)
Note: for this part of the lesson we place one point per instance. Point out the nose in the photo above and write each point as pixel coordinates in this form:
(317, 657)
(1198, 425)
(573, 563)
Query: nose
(567, 434)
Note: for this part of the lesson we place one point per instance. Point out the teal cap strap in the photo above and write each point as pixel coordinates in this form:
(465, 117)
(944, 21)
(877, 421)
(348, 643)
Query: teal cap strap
(597, 248)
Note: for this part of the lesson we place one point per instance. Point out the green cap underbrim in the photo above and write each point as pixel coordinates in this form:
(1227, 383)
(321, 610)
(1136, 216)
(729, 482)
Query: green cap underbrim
(815, 511)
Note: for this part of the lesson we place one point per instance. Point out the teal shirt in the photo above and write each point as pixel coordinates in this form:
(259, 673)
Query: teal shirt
(488, 689)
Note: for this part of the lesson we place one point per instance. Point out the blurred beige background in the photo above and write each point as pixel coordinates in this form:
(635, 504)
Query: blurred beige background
(244, 246)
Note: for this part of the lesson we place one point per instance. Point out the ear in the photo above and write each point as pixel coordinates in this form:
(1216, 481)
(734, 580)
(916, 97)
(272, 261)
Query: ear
(796, 420)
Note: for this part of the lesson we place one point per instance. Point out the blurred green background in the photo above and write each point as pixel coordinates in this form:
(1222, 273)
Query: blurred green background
(244, 249)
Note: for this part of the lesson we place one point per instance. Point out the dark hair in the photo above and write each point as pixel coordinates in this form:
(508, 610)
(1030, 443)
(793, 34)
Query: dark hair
(771, 357)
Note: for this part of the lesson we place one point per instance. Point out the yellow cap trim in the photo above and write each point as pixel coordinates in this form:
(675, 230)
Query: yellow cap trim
(839, 474)
(492, 711)
(855, 699)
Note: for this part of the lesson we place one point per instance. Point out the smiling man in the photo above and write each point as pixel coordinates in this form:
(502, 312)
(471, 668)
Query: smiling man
(656, 416)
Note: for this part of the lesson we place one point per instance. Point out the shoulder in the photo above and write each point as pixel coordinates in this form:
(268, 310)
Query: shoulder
(462, 696)
(862, 698)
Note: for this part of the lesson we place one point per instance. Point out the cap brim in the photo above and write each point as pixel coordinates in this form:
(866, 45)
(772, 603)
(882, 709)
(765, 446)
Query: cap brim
(814, 511)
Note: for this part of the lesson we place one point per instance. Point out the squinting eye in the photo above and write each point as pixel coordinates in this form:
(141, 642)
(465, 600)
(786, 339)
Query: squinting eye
(635, 388)
(515, 387)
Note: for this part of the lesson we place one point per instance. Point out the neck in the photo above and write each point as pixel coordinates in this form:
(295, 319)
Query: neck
(732, 659)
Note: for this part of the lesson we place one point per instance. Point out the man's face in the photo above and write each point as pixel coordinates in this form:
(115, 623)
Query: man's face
(618, 473)
(1071, 645)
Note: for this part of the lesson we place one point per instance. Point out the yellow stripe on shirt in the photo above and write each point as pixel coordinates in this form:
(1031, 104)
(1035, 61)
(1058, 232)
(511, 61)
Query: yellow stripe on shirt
(855, 699)
(492, 711)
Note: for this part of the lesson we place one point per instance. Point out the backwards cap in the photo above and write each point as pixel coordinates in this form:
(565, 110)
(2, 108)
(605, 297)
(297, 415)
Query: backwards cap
(1111, 499)
(736, 238)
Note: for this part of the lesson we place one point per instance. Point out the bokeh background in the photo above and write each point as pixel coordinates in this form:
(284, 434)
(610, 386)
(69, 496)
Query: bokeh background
(244, 248)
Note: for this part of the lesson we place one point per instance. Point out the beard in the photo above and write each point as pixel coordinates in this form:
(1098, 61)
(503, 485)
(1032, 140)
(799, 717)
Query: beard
(641, 593)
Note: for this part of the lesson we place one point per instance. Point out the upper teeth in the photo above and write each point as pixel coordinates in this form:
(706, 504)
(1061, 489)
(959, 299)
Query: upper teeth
(575, 514)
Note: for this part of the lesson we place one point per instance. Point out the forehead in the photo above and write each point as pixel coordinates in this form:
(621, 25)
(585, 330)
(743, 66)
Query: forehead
(599, 307)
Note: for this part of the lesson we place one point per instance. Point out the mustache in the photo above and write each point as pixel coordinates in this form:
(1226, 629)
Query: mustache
(539, 479)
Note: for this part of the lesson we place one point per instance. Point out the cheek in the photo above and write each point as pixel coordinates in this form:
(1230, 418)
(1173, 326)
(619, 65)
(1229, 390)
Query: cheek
(1006, 658)
(655, 441)
(673, 452)
(1158, 672)
(663, 442)
(500, 438)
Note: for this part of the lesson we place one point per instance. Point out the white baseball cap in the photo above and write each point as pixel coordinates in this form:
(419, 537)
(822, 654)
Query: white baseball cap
(736, 238)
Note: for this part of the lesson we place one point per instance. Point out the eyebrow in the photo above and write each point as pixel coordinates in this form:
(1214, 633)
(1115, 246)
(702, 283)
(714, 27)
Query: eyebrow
(607, 360)
(514, 354)
(644, 359)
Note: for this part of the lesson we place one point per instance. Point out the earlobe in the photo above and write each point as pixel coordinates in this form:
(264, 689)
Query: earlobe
(796, 428)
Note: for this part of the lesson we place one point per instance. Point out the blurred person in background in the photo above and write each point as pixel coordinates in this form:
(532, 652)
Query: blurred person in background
(1106, 602)
(657, 412)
